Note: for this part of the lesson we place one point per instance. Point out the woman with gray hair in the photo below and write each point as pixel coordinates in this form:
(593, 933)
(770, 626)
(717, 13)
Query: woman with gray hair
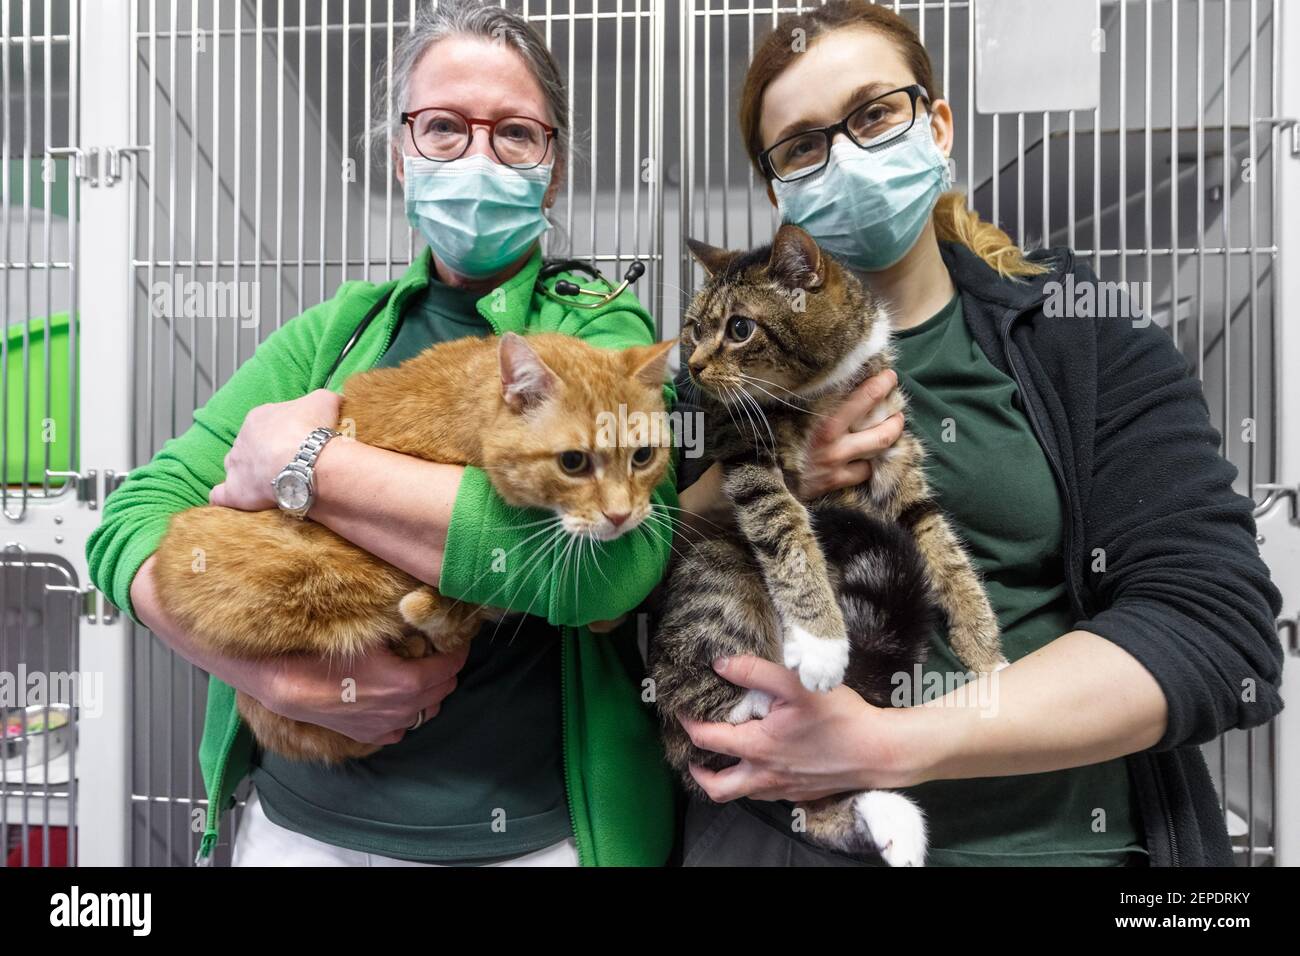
(505, 770)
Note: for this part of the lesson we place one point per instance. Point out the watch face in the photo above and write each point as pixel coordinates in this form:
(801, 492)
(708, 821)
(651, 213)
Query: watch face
(291, 491)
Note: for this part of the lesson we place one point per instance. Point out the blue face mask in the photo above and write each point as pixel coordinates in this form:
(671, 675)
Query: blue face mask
(867, 208)
(477, 215)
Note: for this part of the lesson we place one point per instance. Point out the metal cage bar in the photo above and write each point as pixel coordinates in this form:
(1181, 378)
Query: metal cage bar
(39, 593)
(48, 155)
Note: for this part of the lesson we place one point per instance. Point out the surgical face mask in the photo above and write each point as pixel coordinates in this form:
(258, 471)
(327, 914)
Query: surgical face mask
(868, 207)
(477, 215)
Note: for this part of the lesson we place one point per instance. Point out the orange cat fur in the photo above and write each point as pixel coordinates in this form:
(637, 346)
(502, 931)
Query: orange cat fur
(263, 584)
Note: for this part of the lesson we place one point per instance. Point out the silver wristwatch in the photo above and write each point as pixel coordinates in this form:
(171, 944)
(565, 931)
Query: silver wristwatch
(293, 487)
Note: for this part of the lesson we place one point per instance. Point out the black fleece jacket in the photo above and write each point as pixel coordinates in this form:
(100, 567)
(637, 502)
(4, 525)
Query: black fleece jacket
(1160, 550)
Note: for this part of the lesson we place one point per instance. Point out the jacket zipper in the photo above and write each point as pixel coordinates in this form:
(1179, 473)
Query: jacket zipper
(212, 820)
(567, 637)
(1059, 473)
(1169, 817)
(396, 305)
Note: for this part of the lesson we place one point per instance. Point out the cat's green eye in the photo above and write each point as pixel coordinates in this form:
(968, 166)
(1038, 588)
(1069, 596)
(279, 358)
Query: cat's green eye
(740, 328)
(643, 456)
(575, 462)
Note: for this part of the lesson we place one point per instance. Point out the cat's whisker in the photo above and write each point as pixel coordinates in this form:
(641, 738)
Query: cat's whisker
(595, 559)
(778, 398)
(554, 522)
(754, 378)
(573, 553)
(762, 415)
(534, 559)
(766, 381)
(727, 407)
(541, 554)
(577, 563)
(522, 617)
(559, 562)
(744, 410)
(527, 524)
(542, 550)
(746, 402)
(580, 554)
(687, 511)
(664, 534)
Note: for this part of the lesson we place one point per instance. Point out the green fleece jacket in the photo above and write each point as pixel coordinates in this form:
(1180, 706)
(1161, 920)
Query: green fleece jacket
(619, 791)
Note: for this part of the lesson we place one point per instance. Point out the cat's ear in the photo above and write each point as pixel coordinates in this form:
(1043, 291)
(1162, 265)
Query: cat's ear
(525, 378)
(649, 363)
(796, 260)
(713, 259)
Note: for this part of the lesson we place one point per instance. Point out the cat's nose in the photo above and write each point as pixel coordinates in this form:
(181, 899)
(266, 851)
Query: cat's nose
(617, 518)
(696, 367)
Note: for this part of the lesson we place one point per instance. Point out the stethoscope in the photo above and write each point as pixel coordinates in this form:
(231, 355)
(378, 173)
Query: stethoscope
(564, 292)
(566, 288)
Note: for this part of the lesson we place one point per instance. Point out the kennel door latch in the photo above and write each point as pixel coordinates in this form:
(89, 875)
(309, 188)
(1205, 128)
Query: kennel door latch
(97, 165)
(91, 605)
(1277, 532)
(87, 485)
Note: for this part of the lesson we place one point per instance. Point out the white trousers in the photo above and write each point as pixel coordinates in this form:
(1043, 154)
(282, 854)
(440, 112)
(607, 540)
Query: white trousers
(263, 843)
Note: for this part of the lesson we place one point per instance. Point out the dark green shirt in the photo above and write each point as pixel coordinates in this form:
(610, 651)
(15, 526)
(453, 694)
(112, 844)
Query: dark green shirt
(484, 779)
(994, 482)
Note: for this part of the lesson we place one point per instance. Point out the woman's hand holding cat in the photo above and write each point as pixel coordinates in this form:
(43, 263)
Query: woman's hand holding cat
(809, 745)
(843, 445)
(390, 692)
(267, 441)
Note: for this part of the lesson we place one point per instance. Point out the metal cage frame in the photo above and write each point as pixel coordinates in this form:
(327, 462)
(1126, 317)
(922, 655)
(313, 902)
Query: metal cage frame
(170, 122)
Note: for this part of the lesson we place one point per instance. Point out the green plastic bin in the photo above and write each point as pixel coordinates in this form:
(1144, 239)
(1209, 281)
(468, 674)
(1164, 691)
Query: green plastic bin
(52, 430)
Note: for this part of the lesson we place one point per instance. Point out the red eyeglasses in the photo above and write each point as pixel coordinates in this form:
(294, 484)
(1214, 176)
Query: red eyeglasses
(442, 134)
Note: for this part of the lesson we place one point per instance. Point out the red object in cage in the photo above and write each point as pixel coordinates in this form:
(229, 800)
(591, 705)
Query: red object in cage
(36, 848)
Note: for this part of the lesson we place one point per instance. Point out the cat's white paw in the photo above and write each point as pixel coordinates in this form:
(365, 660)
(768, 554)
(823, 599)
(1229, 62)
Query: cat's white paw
(753, 706)
(894, 825)
(820, 661)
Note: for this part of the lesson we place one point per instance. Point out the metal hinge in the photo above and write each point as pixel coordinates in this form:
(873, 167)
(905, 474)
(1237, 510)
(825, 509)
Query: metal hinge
(112, 480)
(1288, 628)
(97, 165)
(91, 605)
(1275, 491)
(1285, 123)
(1291, 628)
(88, 485)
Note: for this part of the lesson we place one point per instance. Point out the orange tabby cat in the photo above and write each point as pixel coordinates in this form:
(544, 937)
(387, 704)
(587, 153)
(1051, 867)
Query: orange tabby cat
(528, 411)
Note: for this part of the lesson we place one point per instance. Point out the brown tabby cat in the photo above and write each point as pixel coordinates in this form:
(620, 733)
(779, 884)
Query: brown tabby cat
(778, 337)
(527, 410)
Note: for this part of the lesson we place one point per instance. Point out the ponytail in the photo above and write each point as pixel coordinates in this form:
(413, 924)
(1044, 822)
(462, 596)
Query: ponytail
(954, 222)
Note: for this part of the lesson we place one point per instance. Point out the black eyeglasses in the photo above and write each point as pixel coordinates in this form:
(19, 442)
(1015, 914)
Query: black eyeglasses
(874, 124)
(442, 135)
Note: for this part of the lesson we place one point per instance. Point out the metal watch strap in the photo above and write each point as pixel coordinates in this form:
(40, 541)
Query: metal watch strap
(311, 447)
(303, 464)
